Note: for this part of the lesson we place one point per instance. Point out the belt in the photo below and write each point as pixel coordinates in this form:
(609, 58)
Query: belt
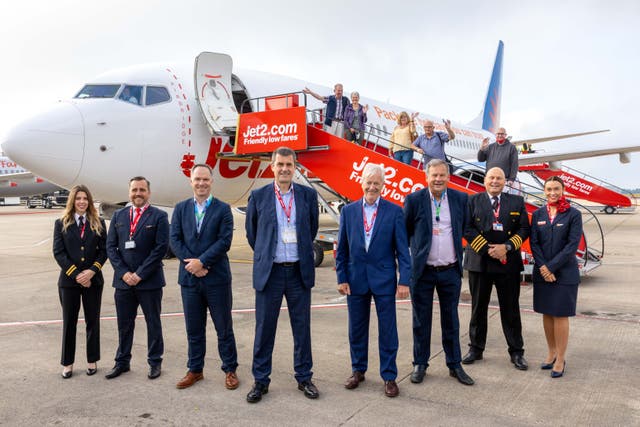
(286, 264)
(439, 268)
(338, 120)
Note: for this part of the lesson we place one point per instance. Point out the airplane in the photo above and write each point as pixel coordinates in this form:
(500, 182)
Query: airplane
(157, 120)
(16, 181)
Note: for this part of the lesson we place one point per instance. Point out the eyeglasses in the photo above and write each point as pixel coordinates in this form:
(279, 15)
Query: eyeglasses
(500, 133)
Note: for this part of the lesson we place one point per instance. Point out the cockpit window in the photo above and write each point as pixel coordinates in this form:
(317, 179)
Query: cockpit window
(132, 94)
(156, 95)
(98, 91)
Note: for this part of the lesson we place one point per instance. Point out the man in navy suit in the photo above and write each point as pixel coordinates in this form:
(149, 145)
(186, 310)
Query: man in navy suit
(201, 233)
(336, 104)
(497, 225)
(435, 220)
(281, 224)
(136, 243)
(372, 237)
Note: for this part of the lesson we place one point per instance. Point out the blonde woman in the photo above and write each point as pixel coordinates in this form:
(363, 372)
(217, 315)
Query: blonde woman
(402, 137)
(79, 247)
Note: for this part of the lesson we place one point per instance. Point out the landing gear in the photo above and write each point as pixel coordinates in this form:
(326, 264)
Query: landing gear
(318, 254)
(609, 210)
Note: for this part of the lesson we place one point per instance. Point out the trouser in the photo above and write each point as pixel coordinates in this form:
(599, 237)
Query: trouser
(447, 283)
(127, 302)
(218, 299)
(283, 281)
(70, 299)
(508, 289)
(359, 314)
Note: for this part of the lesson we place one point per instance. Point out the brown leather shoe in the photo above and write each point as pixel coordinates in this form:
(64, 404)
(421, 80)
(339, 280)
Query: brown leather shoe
(231, 381)
(354, 380)
(190, 379)
(391, 388)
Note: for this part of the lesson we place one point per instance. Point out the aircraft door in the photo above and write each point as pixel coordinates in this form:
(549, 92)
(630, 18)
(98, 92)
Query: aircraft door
(214, 93)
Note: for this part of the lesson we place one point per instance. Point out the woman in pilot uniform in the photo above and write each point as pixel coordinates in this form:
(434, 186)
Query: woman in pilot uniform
(556, 230)
(79, 247)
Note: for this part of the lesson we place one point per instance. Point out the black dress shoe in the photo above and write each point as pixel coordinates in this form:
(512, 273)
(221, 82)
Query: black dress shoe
(310, 390)
(66, 375)
(471, 357)
(419, 371)
(255, 395)
(461, 375)
(519, 361)
(92, 371)
(154, 372)
(116, 371)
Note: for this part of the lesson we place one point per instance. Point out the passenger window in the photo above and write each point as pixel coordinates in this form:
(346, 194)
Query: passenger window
(157, 95)
(132, 94)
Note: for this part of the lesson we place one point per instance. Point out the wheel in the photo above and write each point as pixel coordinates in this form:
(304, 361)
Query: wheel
(609, 210)
(318, 254)
(47, 204)
(30, 205)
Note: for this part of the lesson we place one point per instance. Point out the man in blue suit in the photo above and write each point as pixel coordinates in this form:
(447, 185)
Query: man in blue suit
(336, 104)
(372, 237)
(201, 233)
(435, 220)
(281, 224)
(136, 243)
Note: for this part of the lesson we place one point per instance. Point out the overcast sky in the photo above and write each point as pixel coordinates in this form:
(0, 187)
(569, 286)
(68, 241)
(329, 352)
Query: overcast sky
(568, 66)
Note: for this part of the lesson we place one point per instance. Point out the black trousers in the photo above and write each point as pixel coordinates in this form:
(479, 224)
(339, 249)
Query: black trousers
(70, 299)
(127, 302)
(508, 288)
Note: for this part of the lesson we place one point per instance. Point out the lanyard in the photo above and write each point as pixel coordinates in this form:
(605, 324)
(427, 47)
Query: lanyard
(367, 226)
(438, 205)
(134, 223)
(287, 211)
(200, 215)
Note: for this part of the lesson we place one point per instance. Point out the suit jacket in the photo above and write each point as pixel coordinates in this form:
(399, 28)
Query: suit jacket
(419, 223)
(373, 270)
(332, 108)
(262, 231)
(74, 254)
(152, 241)
(555, 245)
(210, 245)
(479, 233)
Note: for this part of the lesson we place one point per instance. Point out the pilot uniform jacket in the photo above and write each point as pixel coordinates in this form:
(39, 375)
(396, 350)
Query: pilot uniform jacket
(210, 245)
(555, 245)
(373, 270)
(74, 254)
(262, 232)
(152, 240)
(479, 233)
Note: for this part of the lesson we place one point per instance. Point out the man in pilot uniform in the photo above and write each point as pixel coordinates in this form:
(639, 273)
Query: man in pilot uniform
(497, 225)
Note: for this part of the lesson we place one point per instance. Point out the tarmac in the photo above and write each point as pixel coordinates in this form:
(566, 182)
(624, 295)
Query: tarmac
(600, 385)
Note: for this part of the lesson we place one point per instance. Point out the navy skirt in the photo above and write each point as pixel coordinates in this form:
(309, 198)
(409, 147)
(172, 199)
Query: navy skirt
(555, 299)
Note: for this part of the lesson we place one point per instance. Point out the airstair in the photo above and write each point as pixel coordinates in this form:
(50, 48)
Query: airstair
(334, 165)
(582, 186)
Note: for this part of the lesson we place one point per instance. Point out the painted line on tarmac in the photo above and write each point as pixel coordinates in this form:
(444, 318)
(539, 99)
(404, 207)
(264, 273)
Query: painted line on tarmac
(35, 245)
(313, 307)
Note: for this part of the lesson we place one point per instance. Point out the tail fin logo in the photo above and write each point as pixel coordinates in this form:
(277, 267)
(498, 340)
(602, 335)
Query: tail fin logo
(491, 116)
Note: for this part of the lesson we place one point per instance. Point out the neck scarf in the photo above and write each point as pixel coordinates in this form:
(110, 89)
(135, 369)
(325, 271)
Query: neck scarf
(561, 205)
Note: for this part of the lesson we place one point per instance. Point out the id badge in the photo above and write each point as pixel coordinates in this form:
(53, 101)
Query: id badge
(130, 244)
(289, 235)
(497, 226)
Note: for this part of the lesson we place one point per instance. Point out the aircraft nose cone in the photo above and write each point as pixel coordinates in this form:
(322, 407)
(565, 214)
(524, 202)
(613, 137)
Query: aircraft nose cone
(50, 144)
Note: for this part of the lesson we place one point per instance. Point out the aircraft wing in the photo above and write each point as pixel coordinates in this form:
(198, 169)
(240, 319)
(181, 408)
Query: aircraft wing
(553, 138)
(542, 156)
(5, 178)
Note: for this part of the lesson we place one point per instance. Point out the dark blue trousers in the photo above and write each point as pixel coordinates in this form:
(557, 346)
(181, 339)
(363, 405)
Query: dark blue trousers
(359, 313)
(287, 282)
(447, 283)
(218, 299)
(127, 302)
(70, 298)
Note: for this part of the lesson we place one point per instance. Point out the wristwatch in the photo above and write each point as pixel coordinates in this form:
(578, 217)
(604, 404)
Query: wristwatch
(508, 246)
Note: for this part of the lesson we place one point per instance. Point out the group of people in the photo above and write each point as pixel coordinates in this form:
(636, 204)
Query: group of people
(373, 250)
(343, 118)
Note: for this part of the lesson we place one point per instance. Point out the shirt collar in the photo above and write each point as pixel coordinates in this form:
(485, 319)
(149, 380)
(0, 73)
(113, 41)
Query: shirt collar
(442, 196)
(374, 205)
(491, 197)
(206, 202)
